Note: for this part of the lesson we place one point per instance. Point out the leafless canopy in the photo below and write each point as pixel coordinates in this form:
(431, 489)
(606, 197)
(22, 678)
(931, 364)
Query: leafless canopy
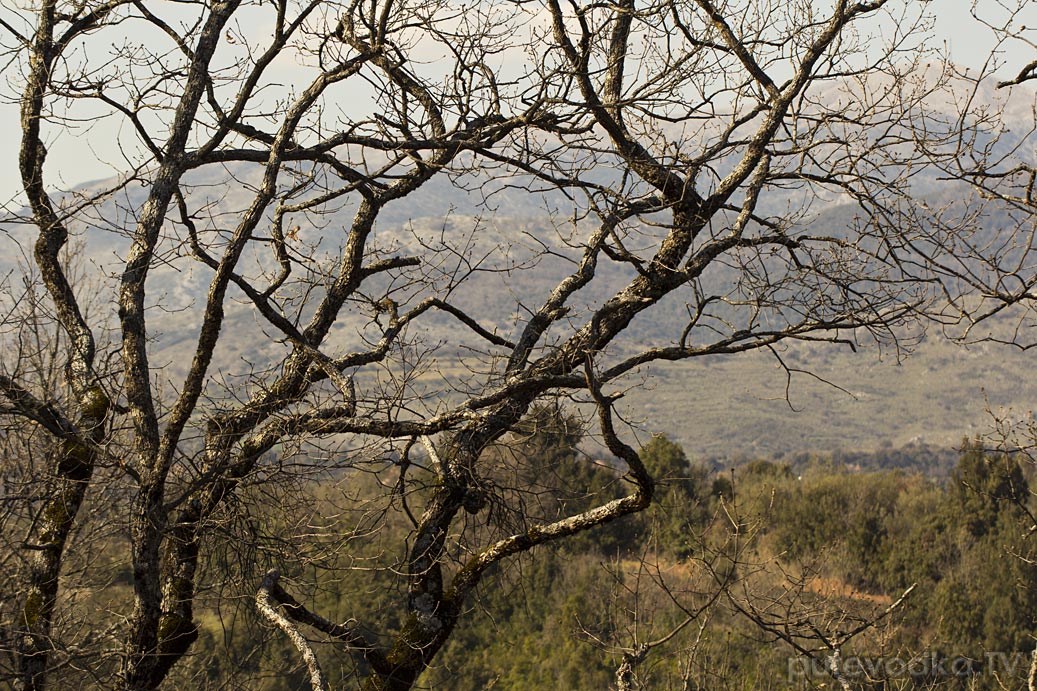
(739, 172)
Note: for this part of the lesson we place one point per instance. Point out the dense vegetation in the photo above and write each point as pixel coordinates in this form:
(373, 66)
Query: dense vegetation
(715, 587)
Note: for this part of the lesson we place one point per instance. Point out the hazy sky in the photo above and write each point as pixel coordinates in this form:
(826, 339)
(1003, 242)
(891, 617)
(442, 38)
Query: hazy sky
(76, 159)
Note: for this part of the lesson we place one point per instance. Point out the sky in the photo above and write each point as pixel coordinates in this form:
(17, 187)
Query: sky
(76, 158)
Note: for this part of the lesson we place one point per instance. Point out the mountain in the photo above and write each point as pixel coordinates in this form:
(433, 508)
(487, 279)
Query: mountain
(801, 397)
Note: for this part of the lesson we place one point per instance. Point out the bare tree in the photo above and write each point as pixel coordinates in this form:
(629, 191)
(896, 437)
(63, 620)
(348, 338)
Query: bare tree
(983, 221)
(737, 172)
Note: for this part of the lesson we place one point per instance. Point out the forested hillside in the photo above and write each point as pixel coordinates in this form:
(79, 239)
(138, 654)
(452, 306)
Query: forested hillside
(738, 578)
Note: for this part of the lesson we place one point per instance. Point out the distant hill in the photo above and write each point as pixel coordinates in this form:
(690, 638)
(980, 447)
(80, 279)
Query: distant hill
(720, 408)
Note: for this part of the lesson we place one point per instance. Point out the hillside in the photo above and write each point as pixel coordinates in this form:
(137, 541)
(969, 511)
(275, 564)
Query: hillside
(718, 408)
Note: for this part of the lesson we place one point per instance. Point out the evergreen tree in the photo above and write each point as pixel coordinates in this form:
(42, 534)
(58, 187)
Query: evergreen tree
(983, 483)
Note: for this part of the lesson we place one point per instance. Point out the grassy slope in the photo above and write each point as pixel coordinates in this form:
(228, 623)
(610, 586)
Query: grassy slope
(736, 406)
